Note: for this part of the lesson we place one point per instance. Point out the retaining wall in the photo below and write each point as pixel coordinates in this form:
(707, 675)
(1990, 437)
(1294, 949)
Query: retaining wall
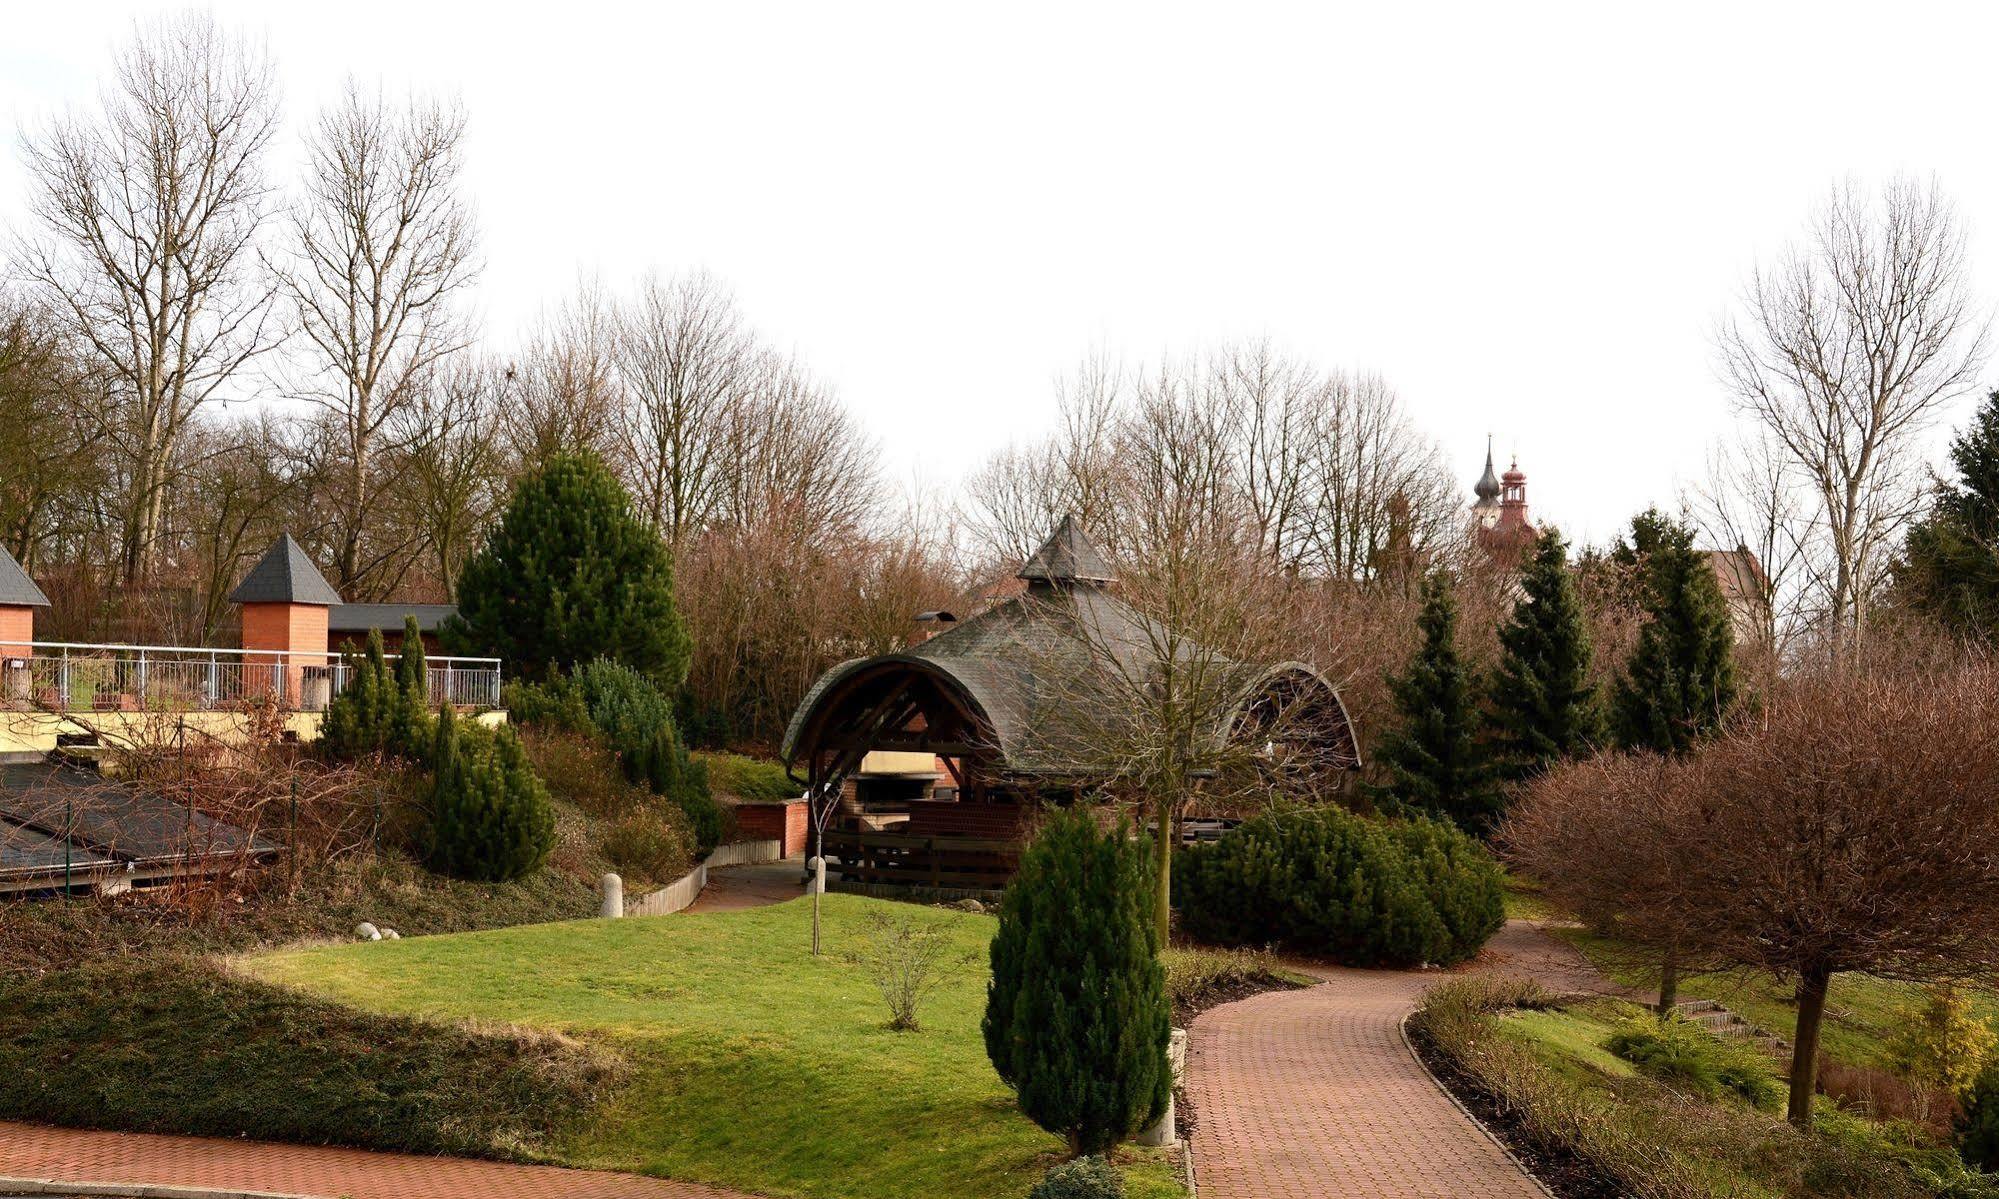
(687, 888)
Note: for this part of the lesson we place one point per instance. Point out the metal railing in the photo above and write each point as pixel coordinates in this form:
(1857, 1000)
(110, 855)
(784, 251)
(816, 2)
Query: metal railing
(68, 676)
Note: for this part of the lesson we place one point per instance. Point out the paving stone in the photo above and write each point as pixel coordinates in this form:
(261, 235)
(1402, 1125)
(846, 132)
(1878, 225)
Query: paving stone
(69, 1154)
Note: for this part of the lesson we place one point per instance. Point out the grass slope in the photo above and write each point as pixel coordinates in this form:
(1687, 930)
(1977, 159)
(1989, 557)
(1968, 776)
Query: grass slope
(179, 1045)
(753, 1064)
(1862, 1012)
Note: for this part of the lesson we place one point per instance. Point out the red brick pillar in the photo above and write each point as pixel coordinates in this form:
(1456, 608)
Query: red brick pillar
(296, 635)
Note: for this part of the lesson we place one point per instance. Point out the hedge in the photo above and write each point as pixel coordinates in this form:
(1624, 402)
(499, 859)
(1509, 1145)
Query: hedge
(1332, 883)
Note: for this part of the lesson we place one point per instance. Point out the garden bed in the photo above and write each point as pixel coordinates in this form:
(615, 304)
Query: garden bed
(1591, 1124)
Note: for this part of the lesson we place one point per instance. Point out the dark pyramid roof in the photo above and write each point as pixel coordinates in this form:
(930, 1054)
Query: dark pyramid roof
(17, 590)
(284, 575)
(1068, 556)
(1487, 488)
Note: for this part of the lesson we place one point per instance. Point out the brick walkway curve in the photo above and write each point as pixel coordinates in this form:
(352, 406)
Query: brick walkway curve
(81, 1155)
(1314, 1093)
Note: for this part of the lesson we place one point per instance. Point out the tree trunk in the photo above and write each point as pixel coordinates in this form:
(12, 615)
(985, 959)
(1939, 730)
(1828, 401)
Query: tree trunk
(1163, 860)
(1669, 982)
(1805, 1046)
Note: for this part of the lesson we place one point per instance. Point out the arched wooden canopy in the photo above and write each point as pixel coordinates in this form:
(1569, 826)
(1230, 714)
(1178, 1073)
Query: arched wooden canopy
(898, 703)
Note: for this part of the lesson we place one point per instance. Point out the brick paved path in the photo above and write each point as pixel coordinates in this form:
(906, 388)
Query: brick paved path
(734, 888)
(77, 1155)
(1314, 1093)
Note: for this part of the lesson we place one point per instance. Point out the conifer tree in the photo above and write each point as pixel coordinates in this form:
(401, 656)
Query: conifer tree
(490, 816)
(1544, 704)
(1680, 682)
(412, 716)
(570, 574)
(365, 717)
(1076, 1013)
(1950, 570)
(1435, 762)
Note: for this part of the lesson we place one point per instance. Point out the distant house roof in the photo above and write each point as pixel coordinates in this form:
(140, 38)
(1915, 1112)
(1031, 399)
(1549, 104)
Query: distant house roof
(17, 590)
(285, 575)
(359, 618)
(1739, 573)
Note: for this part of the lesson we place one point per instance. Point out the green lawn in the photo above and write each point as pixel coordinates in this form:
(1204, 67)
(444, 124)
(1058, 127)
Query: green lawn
(755, 1065)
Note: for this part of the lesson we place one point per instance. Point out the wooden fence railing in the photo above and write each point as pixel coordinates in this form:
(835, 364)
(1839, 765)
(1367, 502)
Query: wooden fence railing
(932, 861)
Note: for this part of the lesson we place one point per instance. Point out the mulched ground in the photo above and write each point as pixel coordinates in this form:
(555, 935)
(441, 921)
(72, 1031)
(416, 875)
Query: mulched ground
(1186, 1009)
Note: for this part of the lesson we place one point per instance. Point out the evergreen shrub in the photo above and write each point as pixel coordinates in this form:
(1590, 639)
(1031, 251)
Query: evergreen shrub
(1693, 1060)
(1083, 1178)
(490, 816)
(1329, 882)
(382, 709)
(1076, 1013)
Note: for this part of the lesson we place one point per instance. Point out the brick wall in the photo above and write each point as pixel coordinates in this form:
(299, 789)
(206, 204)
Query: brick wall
(784, 822)
(16, 624)
(299, 629)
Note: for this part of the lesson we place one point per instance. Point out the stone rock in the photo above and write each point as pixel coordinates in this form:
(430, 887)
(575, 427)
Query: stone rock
(367, 931)
(967, 904)
(390, 934)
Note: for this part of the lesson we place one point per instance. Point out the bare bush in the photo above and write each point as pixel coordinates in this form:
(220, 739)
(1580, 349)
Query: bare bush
(904, 958)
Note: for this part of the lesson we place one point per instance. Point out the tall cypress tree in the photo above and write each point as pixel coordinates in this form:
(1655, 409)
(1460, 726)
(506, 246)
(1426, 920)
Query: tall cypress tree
(571, 574)
(1680, 682)
(1077, 1018)
(1435, 762)
(1545, 705)
(1950, 569)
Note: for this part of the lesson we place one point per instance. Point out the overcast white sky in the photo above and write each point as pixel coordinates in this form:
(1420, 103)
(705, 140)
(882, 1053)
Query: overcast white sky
(1527, 217)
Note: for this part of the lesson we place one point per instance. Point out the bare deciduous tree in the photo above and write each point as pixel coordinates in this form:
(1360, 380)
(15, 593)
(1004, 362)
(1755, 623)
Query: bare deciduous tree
(1847, 826)
(684, 358)
(381, 246)
(147, 213)
(1845, 351)
(450, 480)
(562, 394)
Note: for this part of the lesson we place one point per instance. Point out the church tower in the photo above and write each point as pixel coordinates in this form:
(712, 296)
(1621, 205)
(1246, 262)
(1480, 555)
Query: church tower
(1502, 524)
(1485, 510)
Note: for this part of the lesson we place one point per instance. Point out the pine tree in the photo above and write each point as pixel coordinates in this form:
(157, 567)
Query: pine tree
(1435, 762)
(1076, 1014)
(1950, 569)
(1680, 682)
(1545, 705)
(490, 816)
(571, 574)
(412, 715)
(365, 718)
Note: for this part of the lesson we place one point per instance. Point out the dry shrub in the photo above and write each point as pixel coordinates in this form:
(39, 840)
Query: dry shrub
(649, 846)
(579, 769)
(904, 958)
(1875, 1093)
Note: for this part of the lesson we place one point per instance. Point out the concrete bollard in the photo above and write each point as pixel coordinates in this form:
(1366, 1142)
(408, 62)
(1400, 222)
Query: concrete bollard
(1162, 1134)
(614, 897)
